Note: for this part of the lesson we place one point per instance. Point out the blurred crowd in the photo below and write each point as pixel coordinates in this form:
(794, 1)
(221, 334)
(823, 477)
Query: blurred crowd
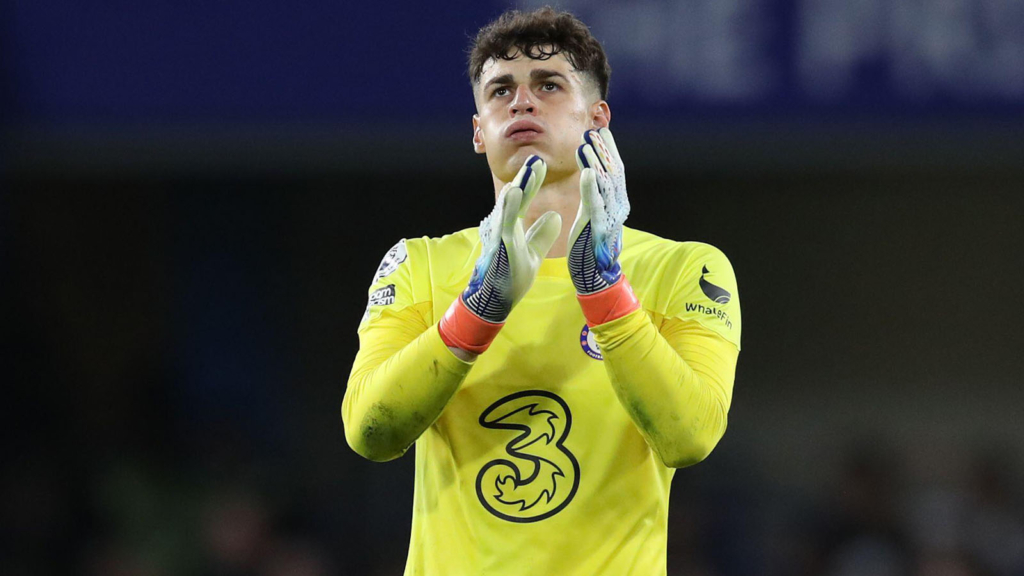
(877, 521)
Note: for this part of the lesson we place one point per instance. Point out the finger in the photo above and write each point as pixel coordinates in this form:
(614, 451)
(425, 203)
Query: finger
(542, 235)
(490, 227)
(522, 178)
(609, 141)
(603, 153)
(585, 158)
(526, 172)
(590, 194)
(592, 159)
(532, 177)
(581, 159)
(513, 197)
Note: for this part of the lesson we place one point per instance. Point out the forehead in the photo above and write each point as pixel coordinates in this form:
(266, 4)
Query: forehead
(521, 66)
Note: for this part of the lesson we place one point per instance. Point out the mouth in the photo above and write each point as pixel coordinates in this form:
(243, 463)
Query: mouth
(524, 136)
(523, 131)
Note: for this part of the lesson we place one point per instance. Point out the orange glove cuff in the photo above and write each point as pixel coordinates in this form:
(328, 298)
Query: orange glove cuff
(609, 304)
(461, 328)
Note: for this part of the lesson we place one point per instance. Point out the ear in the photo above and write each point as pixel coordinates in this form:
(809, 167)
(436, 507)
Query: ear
(600, 114)
(478, 136)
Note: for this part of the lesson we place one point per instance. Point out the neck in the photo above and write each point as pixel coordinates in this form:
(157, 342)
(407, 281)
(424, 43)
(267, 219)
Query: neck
(562, 196)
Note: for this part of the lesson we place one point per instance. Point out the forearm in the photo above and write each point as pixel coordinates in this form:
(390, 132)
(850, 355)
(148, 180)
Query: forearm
(679, 405)
(390, 401)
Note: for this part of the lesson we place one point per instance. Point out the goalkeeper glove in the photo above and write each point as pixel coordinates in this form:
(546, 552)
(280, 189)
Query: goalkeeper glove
(508, 263)
(596, 238)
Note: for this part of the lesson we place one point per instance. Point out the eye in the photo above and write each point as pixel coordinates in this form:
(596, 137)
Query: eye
(549, 87)
(500, 91)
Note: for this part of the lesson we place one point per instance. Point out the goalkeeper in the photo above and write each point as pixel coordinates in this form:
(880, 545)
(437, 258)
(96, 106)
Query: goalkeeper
(552, 367)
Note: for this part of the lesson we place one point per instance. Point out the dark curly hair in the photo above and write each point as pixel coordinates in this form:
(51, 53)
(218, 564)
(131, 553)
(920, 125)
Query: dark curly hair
(540, 35)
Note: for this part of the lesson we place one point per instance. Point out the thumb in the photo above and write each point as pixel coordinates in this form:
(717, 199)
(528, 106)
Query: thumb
(542, 235)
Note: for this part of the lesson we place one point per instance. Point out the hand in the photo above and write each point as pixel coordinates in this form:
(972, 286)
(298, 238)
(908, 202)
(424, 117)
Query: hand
(509, 258)
(596, 237)
(508, 263)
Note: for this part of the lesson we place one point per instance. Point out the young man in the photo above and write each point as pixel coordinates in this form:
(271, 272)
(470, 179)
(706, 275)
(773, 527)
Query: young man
(550, 398)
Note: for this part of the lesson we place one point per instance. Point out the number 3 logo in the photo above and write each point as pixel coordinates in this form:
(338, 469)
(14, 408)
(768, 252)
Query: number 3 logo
(544, 475)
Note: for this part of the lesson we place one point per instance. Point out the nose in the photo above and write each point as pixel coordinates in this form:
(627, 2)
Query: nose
(523, 102)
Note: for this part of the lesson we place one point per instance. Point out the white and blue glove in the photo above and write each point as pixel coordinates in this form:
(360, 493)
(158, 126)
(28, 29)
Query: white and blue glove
(596, 238)
(595, 241)
(508, 263)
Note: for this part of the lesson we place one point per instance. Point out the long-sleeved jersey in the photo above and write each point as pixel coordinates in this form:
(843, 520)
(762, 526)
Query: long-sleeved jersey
(553, 452)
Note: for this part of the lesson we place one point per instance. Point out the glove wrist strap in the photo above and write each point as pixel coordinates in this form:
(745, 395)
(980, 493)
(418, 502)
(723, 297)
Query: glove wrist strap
(460, 328)
(609, 304)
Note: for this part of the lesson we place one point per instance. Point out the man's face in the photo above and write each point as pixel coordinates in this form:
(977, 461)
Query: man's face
(528, 106)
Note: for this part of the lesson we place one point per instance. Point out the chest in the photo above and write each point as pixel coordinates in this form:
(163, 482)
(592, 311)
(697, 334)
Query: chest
(543, 356)
(545, 343)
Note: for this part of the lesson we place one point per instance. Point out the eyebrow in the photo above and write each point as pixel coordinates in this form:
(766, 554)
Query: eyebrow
(535, 74)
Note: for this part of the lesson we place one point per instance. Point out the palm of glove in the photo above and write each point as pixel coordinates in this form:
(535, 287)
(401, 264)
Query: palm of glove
(509, 257)
(596, 238)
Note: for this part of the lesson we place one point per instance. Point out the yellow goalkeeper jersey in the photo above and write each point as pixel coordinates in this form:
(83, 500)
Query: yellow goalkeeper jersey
(553, 453)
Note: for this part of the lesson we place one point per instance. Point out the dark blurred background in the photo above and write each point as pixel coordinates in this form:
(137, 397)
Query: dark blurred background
(194, 197)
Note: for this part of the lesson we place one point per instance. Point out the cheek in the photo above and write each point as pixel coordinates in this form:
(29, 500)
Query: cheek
(575, 126)
(492, 130)
(580, 121)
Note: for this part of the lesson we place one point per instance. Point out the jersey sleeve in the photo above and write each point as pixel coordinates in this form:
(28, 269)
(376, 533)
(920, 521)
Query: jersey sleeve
(673, 363)
(705, 291)
(391, 287)
(403, 374)
(661, 379)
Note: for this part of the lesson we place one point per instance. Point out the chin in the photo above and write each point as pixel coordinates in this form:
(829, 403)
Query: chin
(521, 154)
(506, 167)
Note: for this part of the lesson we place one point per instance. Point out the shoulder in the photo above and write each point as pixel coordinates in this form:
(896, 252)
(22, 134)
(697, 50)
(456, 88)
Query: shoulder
(453, 244)
(413, 268)
(649, 252)
(446, 258)
(428, 261)
(426, 251)
(686, 280)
